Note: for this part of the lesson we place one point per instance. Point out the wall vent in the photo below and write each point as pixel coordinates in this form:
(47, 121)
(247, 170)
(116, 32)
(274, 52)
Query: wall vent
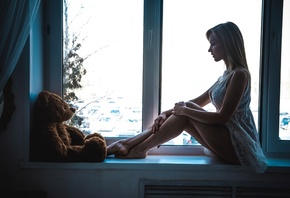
(178, 191)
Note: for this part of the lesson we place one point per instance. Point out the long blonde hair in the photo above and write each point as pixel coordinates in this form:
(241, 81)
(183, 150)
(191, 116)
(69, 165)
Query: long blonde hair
(233, 42)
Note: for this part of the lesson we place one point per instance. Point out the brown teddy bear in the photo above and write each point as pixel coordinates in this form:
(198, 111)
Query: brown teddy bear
(53, 140)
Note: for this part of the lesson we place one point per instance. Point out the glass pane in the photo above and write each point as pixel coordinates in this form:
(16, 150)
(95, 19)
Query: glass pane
(284, 132)
(103, 43)
(187, 68)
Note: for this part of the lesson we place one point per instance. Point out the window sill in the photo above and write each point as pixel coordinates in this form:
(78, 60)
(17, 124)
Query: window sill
(158, 162)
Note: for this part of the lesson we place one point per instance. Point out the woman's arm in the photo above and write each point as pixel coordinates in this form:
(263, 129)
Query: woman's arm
(234, 93)
(201, 100)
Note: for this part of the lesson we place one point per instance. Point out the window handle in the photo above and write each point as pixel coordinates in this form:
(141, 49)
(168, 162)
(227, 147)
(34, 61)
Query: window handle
(150, 34)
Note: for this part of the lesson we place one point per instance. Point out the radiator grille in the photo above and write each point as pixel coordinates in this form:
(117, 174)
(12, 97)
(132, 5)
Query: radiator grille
(170, 191)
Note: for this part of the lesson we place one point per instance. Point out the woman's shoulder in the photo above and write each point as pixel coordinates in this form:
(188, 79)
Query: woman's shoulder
(241, 72)
(239, 75)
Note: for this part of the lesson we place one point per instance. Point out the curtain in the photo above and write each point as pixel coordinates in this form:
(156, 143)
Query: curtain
(16, 17)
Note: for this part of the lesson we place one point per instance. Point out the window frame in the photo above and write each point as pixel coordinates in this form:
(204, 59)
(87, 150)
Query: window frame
(271, 40)
(53, 45)
(271, 16)
(152, 49)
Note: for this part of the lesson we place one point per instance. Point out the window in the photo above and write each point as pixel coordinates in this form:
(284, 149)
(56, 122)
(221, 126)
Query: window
(273, 73)
(109, 47)
(284, 121)
(187, 67)
(169, 40)
(114, 52)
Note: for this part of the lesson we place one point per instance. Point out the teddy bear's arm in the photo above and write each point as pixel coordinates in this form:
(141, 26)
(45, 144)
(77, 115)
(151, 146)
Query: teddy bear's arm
(54, 147)
(77, 136)
(59, 148)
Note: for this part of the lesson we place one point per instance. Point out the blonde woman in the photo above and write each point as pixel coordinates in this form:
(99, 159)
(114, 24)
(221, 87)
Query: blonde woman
(230, 131)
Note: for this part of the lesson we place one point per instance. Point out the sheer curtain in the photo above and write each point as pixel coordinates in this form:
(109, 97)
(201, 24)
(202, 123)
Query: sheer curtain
(16, 17)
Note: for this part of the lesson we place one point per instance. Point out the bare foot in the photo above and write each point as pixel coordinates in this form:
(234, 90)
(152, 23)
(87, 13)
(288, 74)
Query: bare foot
(133, 153)
(117, 148)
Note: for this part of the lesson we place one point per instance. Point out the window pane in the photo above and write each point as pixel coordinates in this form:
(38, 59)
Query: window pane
(284, 132)
(107, 64)
(187, 68)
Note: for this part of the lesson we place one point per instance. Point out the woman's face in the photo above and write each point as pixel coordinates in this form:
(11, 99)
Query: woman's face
(216, 48)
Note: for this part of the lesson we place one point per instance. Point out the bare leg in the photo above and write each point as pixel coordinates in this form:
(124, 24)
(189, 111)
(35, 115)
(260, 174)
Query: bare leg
(193, 132)
(122, 147)
(171, 128)
(216, 138)
(147, 140)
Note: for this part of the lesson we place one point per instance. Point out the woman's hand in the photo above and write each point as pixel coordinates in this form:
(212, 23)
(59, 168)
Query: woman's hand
(158, 122)
(178, 108)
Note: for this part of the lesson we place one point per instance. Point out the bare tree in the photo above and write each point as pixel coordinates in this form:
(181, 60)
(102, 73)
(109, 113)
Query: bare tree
(73, 63)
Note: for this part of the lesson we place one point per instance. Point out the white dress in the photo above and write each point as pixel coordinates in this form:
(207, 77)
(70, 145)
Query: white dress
(242, 128)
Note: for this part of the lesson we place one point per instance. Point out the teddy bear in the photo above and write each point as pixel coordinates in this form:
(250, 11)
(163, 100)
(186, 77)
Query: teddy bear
(52, 140)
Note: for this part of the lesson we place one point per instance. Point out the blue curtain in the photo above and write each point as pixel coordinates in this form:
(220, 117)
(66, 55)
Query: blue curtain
(15, 22)
(16, 17)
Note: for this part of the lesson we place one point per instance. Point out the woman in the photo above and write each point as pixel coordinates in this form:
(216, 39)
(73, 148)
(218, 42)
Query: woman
(230, 132)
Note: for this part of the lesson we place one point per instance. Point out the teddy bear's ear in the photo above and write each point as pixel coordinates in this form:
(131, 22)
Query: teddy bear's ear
(42, 98)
